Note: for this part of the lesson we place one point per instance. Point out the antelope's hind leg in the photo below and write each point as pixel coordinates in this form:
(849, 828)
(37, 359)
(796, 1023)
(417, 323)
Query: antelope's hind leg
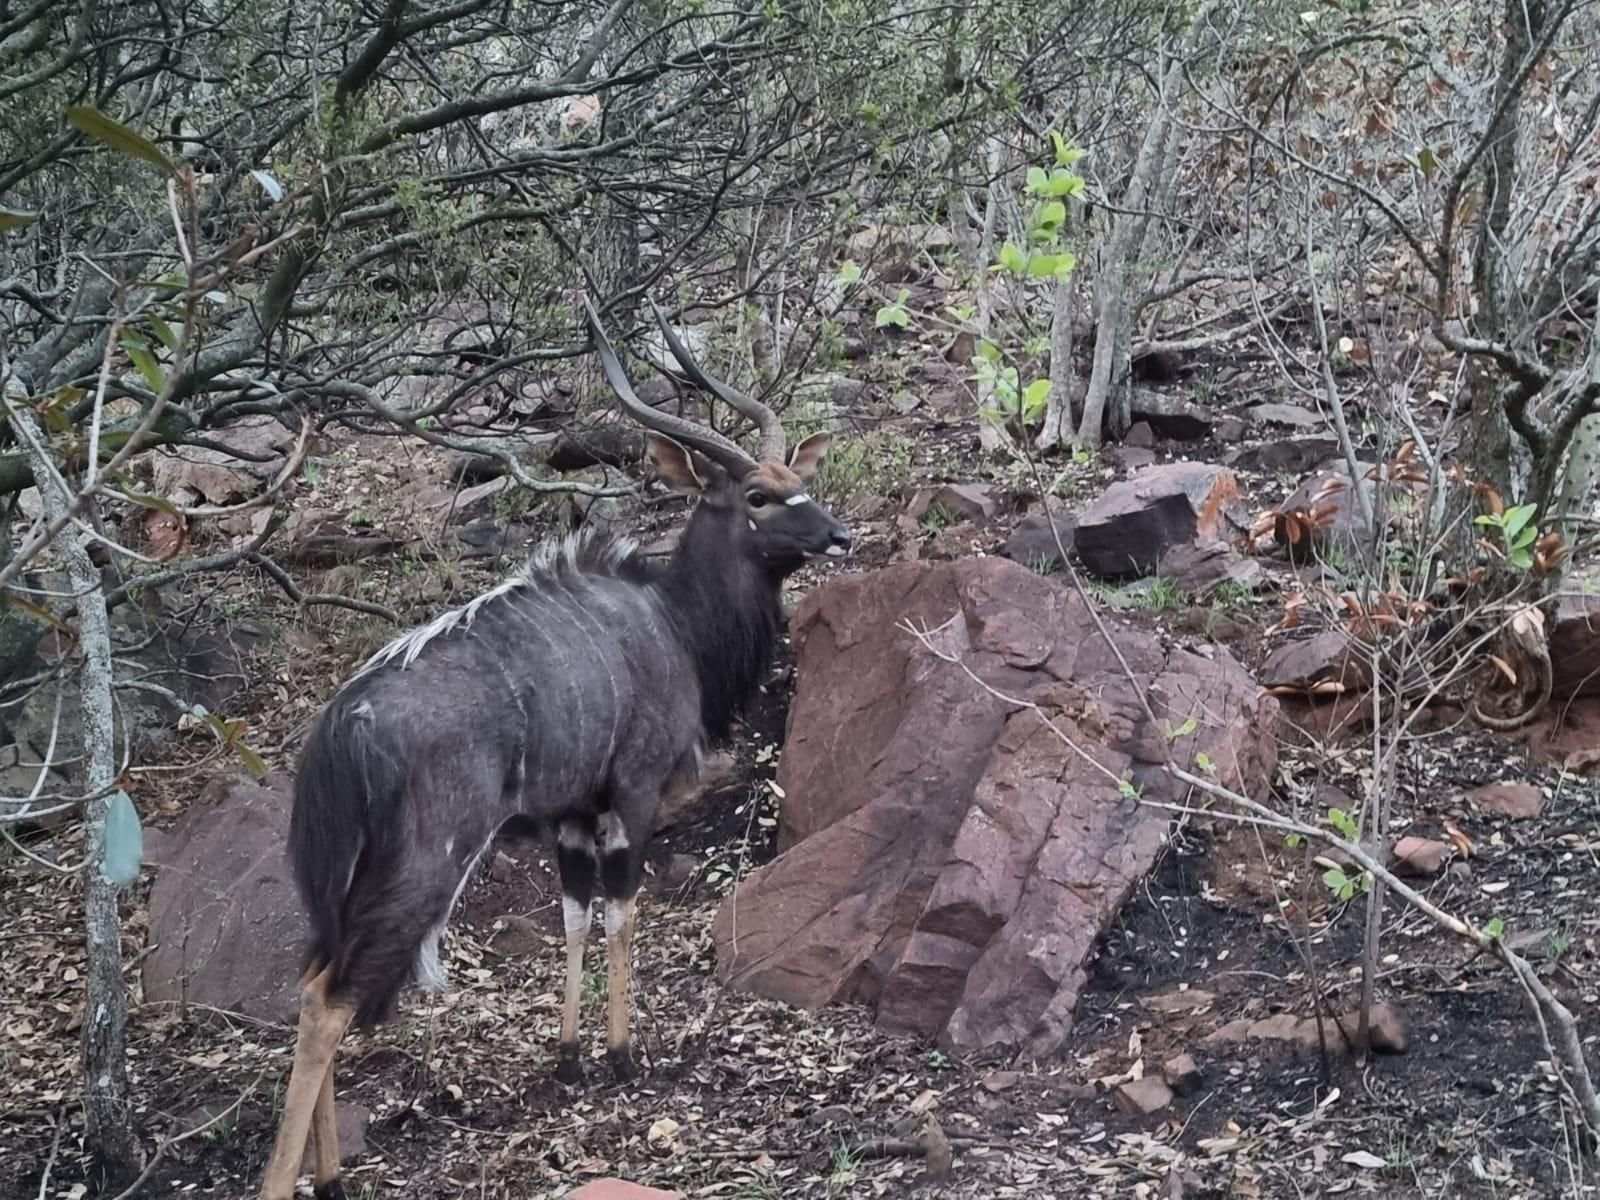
(326, 1184)
(322, 1026)
(621, 870)
(575, 858)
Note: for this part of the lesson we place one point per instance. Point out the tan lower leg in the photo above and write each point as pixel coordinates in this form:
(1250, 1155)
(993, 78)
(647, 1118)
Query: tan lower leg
(574, 996)
(325, 1133)
(321, 1027)
(619, 962)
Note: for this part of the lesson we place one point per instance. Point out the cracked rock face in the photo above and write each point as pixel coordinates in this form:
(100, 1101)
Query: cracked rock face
(944, 854)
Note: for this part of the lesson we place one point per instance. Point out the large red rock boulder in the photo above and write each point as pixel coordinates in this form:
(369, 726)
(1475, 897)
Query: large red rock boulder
(226, 927)
(944, 854)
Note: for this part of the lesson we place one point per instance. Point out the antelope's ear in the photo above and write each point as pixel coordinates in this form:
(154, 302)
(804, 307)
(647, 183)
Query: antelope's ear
(807, 456)
(676, 465)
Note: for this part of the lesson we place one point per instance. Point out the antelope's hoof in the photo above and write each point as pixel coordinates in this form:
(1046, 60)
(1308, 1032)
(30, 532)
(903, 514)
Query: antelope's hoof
(332, 1190)
(622, 1064)
(569, 1066)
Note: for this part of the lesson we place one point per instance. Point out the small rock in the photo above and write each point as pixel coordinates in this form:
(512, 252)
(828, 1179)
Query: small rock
(1124, 532)
(1231, 429)
(1231, 1034)
(1141, 1096)
(1280, 1027)
(999, 1081)
(687, 802)
(1321, 513)
(1169, 416)
(1283, 414)
(1575, 638)
(503, 868)
(679, 870)
(969, 501)
(1386, 1032)
(1200, 568)
(351, 1122)
(833, 1114)
(1326, 663)
(518, 937)
(1140, 434)
(1295, 455)
(1420, 856)
(1516, 801)
(1132, 458)
(612, 1188)
(1033, 542)
(1182, 1073)
(1186, 1000)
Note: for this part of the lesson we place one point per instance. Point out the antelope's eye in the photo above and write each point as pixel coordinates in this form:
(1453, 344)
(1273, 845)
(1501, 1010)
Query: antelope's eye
(756, 499)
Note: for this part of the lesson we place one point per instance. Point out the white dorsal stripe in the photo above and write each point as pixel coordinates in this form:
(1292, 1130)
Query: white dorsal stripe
(798, 498)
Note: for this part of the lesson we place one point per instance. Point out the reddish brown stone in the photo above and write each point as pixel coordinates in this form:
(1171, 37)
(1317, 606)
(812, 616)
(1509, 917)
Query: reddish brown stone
(620, 1189)
(1125, 531)
(1318, 664)
(1516, 801)
(1182, 1073)
(1420, 856)
(943, 855)
(1575, 641)
(1141, 1096)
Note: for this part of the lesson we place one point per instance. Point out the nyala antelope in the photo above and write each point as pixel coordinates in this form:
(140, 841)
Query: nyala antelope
(567, 699)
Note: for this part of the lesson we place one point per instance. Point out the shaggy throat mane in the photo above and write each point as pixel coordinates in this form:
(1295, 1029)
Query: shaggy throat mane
(728, 616)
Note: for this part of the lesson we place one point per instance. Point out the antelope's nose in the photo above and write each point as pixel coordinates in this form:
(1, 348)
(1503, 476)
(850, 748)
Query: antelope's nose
(838, 541)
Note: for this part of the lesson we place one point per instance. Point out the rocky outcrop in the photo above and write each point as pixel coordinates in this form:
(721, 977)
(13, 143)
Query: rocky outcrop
(945, 855)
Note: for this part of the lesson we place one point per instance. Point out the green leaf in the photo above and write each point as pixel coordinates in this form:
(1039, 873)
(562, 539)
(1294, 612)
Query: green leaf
(1053, 214)
(1517, 516)
(1066, 152)
(139, 352)
(146, 500)
(90, 121)
(11, 219)
(988, 351)
(1495, 928)
(1294, 841)
(163, 332)
(1426, 161)
(1186, 728)
(1343, 822)
(892, 314)
(1202, 762)
(252, 761)
(849, 272)
(124, 842)
(1013, 259)
(1037, 180)
(1034, 396)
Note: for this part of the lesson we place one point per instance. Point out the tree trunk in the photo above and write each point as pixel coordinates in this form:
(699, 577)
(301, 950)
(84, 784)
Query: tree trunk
(108, 1132)
(1063, 377)
(1115, 311)
(992, 436)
